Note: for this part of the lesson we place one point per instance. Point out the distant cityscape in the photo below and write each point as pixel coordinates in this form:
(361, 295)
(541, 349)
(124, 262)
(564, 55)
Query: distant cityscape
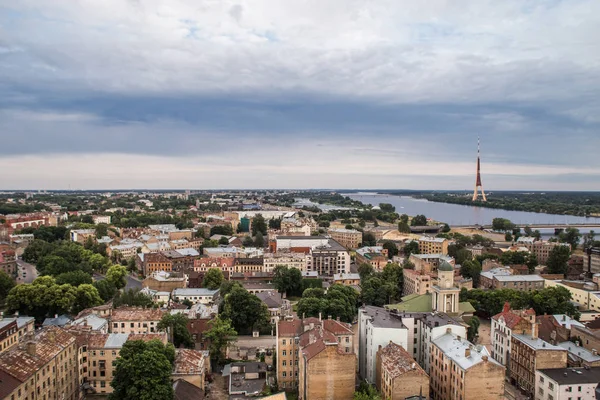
(288, 294)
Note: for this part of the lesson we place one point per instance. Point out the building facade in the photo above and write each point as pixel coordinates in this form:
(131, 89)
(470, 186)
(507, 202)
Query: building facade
(349, 238)
(433, 245)
(398, 376)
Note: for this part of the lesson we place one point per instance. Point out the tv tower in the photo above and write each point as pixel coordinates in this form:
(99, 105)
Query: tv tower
(478, 184)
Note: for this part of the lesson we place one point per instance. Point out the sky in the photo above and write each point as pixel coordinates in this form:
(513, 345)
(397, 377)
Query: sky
(215, 94)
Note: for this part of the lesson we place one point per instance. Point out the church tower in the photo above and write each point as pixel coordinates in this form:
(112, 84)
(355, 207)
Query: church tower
(445, 295)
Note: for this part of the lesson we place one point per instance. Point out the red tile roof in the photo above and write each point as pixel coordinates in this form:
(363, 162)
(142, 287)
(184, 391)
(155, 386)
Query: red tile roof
(511, 319)
(289, 328)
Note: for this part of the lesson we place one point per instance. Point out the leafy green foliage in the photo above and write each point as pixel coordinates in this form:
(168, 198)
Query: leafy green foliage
(391, 248)
(473, 329)
(6, 284)
(502, 224)
(176, 325)
(366, 392)
(340, 301)
(226, 230)
(368, 239)
(380, 288)
(74, 278)
(213, 278)
(419, 220)
(259, 225)
(106, 290)
(288, 280)
(558, 258)
(116, 275)
(143, 371)
(220, 335)
(245, 311)
(132, 298)
(570, 236)
(411, 247)
(471, 269)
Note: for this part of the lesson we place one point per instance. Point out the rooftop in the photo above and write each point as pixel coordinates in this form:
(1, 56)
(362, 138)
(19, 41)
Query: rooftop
(580, 352)
(454, 347)
(432, 239)
(188, 362)
(396, 360)
(537, 343)
(573, 376)
(194, 292)
(92, 320)
(340, 277)
(519, 278)
(382, 318)
(136, 314)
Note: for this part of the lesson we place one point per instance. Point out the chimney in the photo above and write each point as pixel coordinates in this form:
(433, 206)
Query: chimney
(31, 348)
(329, 317)
(320, 316)
(506, 307)
(448, 330)
(338, 319)
(534, 330)
(413, 365)
(594, 352)
(468, 352)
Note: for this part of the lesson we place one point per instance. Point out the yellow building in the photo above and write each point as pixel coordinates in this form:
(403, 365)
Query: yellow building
(135, 320)
(433, 245)
(349, 238)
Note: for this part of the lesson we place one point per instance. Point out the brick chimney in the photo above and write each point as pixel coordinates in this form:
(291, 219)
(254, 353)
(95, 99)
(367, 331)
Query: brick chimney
(31, 348)
(534, 330)
(506, 307)
(468, 352)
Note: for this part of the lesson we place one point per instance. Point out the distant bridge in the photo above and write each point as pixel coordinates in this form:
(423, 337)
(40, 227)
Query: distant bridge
(536, 226)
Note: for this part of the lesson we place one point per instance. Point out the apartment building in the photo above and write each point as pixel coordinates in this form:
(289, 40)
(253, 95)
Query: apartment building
(429, 262)
(347, 279)
(44, 366)
(584, 293)
(126, 250)
(245, 264)
(196, 295)
(433, 245)
(326, 256)
(164, 281)
(591, 261)
(225, 264)
(190, 366)
(101, 351)
(504, 325)
(135, 320)
(9, 334)
(377, 327)
(349, 238)
(540, 248)
(462, 371)
(523, 283)
(398, 376)
(101, 219)
(530, 353)
(567, 384)
(291, 260)
(8, 262)
(327, 363)
(376, 256)
(416, 282)
(294, 334)
(81, 235)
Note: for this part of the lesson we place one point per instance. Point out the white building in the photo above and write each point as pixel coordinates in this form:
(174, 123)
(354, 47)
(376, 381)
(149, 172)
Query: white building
(503, 325)
(291, 260)
(101, 219)
(200, 295)
(567, 384)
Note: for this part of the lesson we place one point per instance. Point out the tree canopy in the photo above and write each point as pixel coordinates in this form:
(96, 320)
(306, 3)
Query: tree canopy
(288, 280)
(213, 278)
(340, 301)
(143, 371)
(558, 258)
(419, 220)
(245, 311)
(176, 326)
(220, 335)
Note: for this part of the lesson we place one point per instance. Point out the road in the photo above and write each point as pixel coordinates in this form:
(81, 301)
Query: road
(132, 283)
(30, 272)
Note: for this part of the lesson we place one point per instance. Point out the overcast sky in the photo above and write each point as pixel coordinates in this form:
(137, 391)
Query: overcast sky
(207, 94)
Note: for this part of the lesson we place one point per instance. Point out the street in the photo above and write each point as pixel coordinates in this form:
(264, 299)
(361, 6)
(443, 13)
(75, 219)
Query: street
(29, 270)
(132, 283)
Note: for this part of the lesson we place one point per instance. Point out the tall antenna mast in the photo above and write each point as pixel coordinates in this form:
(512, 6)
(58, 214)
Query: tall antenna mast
(478, 185)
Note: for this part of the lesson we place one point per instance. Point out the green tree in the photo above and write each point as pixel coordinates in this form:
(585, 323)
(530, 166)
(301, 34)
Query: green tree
(508, 237)
(528, 231)
(132, 298)
(246, 311)
(223, 240)
(391, 248)
(74, 278)
(116, 275)
(377, 292)
(41, 298)
(366, 392)
(176, 326)
(220, 335)
(368, 239)
(471, 269)
(213, 278)
(502, 224)
(105, 289)
(310, 306)
(537, 235)
(259, 240)
(403, 227)
(419, 220)
(318, 293)
(98, 263)
(411, 247)
(101, 230)
(6, 284)
(558, 260)
(247, 242)
(531, 262)
(473, 330)
(259, 225)
(36, 250)
(86, 296)
(287, 280)
(365, 270)
(143, 371)
(570, 236)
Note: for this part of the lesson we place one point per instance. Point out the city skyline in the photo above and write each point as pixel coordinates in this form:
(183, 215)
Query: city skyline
(171, 95)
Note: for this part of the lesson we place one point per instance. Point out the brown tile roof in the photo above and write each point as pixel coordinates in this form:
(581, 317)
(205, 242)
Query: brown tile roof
(398, 361)
(594, 325)
(146, 337)
(97, 341)
(48, 343)
(289, 328)
(337, 327)
(314, 349)
(8, 384)
(188, 362)
(136, 314)
(183, 390)
(511, 319)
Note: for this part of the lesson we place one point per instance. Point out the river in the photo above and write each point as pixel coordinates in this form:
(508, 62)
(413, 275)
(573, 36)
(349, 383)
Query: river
(455, 214)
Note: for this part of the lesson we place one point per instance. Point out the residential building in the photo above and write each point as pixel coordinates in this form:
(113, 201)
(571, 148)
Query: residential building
(486, 278)
(327, 364)
(101, 219)
(225, 264)
(376, 256)
(8, 262)
(245, 379)
(196, 295)
(349, 238)
(416, 282)
(101, 351)
(377, 327)
(398, 376)
(45, 366)
(578, 356)
(135, 320)
(504, 325)
(326, 256)
(125, 250)
(81, 235)
(161, 281)
(278, 307)
(590, 338)
(294, 334)
(226, 252)
(347, 279)
(189, 366)
(291, 260)
(460, 370)
(567, 384)
(530, 353)
(429, 262)
(584, 293)
(591, 261)
(523, 283)
(433, 245)
(245, 264)
(540, 248)
(9, 334)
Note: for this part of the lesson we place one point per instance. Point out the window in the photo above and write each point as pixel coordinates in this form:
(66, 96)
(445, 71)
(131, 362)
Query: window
(284, 353)
(284, 374)
(284, 363)
(283, 343)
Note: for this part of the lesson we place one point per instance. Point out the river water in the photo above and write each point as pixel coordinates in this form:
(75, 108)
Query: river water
(455, 214)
